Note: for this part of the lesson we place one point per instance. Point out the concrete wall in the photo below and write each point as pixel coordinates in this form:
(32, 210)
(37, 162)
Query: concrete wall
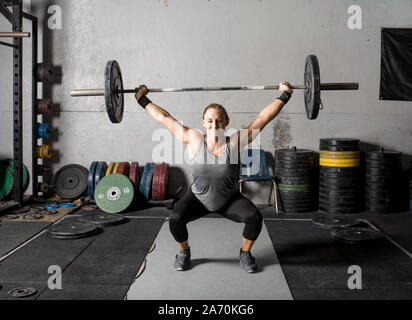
(176, 43)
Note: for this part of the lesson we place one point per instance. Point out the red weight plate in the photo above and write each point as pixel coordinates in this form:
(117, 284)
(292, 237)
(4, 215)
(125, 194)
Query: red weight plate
(124, 169)
(135, 174)
(164, 181)
(155, 182)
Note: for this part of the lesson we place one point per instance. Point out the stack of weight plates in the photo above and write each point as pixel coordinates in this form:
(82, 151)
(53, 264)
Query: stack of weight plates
(294, 173)
(382, 178)
(340, 176)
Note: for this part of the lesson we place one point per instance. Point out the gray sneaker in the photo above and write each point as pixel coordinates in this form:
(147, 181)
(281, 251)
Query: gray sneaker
(247, 261)
(182, 261)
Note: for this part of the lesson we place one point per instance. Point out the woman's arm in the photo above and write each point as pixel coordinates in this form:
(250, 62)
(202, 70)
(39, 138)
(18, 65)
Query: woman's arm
(245, 136)
(182, 133)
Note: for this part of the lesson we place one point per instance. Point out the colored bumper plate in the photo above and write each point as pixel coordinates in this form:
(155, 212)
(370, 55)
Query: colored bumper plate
(114, 193)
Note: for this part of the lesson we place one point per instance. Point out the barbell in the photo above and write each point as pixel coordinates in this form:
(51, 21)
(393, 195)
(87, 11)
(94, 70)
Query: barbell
(114, 92)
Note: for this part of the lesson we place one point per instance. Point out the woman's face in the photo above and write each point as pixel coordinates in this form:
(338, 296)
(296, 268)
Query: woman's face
(214, 122)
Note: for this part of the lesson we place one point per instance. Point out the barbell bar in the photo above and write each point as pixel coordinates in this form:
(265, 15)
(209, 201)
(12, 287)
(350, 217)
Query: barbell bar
(323, 87)
(14, 34)
(114, 91)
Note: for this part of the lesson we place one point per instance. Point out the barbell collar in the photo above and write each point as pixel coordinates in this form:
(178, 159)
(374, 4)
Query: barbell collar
(324, 86)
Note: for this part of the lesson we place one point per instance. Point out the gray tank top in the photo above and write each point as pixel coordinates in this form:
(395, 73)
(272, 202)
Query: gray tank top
(215, 178)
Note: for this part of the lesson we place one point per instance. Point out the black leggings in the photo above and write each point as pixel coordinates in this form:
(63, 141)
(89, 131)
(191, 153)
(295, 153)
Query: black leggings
(237, 208)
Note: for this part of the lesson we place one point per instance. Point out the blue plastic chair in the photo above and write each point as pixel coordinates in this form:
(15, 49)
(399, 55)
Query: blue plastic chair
(254, 167)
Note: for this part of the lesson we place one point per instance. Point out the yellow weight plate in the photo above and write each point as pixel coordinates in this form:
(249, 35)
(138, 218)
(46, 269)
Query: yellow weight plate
(43, 152)
(110, 168)
(116, 167)
(340, 163)
(340, 155)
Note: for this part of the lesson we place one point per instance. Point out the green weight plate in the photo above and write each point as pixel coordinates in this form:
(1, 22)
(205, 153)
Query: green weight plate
(26, 174)
(114, 193)
(6, 181)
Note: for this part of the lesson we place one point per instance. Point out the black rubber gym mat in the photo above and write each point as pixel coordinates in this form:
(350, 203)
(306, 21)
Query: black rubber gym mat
(98, 267)
(397, 226)
(12, 234)
(316, 266)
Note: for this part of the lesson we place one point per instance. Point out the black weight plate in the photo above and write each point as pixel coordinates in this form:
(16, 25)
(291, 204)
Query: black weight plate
(338, 148)
(296, 181)
(340, 142)
(103, 219)
(291, 175)
(113, 87)
(294, 162)
(100, 173)
(328, 223)
(72, 230)
(380, 211)
(341, 209)
(349, 171)
(339, 193)
(370, 193)
(382, 179)
(353, 235)
(297, 197)
(338, 199)
(294, 170)
(383, 163)
(90, 182)
(302, 154)
(21, 292)
(312, 81)
(336, 187)
(291, 202)
(382, 171)
(340, 180)
(71, 181)
(385, 155)
(346, 204)
(378, 185)
(338, 175)
(296, 210)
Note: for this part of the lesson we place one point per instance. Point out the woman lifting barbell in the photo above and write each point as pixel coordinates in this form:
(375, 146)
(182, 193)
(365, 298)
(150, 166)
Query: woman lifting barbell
(215, 162)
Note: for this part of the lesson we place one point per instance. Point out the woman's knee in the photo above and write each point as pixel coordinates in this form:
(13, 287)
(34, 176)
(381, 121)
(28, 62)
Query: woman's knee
(254, 216)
